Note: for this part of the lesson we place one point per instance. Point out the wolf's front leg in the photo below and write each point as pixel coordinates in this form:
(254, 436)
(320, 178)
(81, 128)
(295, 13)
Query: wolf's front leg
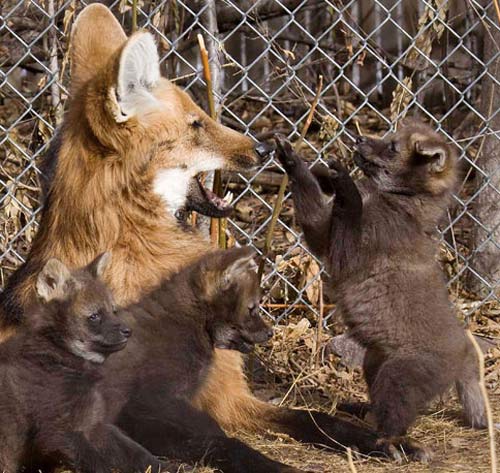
(106, 448)
(101, 449)
(311, 210)
(117, 452)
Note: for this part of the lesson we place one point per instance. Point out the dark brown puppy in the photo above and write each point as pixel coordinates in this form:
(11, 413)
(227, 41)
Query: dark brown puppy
(50, 408)
(377, 242)
(213, 303)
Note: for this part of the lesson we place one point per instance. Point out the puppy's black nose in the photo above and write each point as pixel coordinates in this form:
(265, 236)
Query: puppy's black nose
(270, 333)
(263, 149)
(125, 331)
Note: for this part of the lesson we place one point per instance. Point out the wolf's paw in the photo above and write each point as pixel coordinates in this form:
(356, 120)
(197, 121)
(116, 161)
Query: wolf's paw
(416, 451)
(285, 153)
(404, 449)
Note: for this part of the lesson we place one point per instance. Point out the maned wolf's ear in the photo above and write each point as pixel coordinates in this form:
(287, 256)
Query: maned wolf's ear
(435, 153)
(95, 37)
(99, 265)
(53, 281)
(239, 265)
(138, 73)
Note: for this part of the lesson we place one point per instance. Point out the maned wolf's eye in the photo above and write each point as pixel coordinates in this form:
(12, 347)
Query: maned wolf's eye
(95, 317)
(394, 146)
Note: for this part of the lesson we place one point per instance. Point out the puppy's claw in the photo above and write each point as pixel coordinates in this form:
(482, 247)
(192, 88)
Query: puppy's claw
(333, 175)
(285, 153)
(395, 455)
(228, 198)
(416, 451)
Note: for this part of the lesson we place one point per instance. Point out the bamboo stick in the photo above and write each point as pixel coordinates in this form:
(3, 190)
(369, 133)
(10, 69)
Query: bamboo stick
(217, 226)
(134, 16)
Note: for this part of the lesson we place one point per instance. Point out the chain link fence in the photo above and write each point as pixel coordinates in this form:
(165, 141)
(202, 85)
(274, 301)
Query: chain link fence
(380, 61)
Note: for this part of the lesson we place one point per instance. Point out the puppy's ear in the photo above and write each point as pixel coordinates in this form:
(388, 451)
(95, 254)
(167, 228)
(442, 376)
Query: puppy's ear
(138, 73)
(99, 264)
(435, 153)
(240, 264)
(219, 270)
(54, 281)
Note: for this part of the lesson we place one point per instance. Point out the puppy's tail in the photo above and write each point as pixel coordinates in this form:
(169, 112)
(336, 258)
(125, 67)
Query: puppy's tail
(471, 393)
(471, 398)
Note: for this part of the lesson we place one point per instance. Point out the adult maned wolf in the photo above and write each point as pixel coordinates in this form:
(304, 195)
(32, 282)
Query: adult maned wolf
(124, 161)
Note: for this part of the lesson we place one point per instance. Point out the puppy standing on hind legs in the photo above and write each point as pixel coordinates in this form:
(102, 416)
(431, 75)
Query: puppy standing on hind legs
(377, 242)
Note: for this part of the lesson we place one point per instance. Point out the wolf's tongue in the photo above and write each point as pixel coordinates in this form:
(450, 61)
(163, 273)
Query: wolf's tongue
(214, 198)
(204, 201)
(220, 202)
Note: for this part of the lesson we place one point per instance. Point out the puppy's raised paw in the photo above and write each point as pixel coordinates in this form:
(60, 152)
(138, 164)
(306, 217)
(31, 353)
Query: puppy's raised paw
(337, 171)
(285, 154)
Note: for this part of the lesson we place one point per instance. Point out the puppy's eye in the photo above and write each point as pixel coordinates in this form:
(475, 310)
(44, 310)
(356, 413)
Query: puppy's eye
(394, 146)
(95, 317)
(197, 124)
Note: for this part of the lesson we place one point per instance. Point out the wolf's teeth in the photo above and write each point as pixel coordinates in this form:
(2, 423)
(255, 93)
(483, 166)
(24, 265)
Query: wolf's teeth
(228, 198)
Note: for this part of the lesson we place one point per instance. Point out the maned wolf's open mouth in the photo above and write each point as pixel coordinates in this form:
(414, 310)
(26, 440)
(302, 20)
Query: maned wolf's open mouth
(204, 201)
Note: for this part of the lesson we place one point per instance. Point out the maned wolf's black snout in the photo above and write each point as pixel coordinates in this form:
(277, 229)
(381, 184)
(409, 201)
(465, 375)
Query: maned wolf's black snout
(263, 149)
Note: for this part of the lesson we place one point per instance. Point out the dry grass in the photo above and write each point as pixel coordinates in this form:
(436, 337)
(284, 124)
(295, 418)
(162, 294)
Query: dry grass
(457, 448)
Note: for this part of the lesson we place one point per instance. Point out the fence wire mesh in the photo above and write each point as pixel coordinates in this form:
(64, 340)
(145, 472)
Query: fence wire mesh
(380, 60)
